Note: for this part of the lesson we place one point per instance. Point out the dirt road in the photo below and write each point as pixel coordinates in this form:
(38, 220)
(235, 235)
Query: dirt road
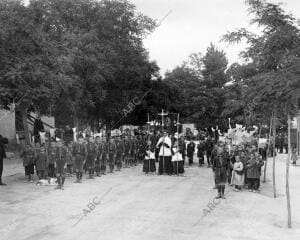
(130, 205)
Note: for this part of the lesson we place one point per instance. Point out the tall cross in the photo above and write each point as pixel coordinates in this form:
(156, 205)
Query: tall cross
(162, 114)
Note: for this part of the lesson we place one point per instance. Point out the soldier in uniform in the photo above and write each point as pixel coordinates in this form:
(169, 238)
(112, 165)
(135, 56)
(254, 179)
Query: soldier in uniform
(132, 151)
(127, 150)
(103, 155)
(220, 165)
(112, 153)
(209, 145)
(80, 152)
(98, 157)
(119, 152)
(41, 162)
(142, 145)
(60, 162)
(28, 162)
(51, 160)
(200, 152)
(91, 156)
(70, 160)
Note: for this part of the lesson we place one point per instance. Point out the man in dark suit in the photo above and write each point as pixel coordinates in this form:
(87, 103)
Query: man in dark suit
(3, 141)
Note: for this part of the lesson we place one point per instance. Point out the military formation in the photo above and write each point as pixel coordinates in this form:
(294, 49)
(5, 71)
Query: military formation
(93, 156)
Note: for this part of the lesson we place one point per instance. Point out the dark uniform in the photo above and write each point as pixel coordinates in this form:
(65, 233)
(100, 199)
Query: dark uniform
(132, 152)
(120, 152)
(98, 159)
(127, 151)
(28, 161)
(112, 153)
(60, 160)
(221, 165)
(200, 152)
(91, 156)
(51, 162)
(141, 153)
(190, 150)
(80, 152)
(41, 163)
(103, 155)
(70, 161)
(209, 146)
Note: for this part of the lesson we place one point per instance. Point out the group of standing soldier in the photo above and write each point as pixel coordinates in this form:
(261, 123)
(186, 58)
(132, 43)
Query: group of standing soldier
(56, 159)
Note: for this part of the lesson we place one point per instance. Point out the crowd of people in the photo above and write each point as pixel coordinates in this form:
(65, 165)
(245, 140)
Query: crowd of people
(238, 165)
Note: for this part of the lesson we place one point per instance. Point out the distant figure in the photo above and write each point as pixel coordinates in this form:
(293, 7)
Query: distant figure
(3, 141)
(190, 150)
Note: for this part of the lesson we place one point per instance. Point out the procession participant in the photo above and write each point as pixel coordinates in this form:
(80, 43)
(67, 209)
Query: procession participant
(214, 154)
(137, 146)
(237, 174)
(41, 162)
(209, 145)
(244, 158)
(127, 151)
(294, 155)
(232, 157)
(164, 144)
(91, 156)
(177, 166)
(112, 153)
(149, 161)
(103, 155)
(190, 150)
(80, 153)
(200, 152)
(98, 157)
(60, 162)
(182, 147)
(28, 156)
(70, 158)
(3, 141)
(220, 165)
(120, 150)
(157, 136)
(253, 173)
(134, 150)
(141, 149)
(51, 160)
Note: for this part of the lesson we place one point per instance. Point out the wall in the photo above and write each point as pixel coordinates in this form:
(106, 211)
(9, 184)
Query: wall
(7, 124)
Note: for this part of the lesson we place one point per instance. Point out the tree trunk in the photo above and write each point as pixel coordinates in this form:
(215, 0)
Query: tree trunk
(25, 124)
(287, 187)
(274, 152)
(268, 150)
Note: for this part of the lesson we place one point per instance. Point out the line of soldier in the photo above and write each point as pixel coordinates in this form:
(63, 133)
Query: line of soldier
(55, 159)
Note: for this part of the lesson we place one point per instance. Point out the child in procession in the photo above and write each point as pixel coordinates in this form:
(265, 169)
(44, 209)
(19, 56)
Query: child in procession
(41, 162)
(253, 172)
(237, 178)
(149, 161)
(28, 162)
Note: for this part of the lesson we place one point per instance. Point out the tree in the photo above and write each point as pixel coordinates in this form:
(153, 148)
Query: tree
(30, 67)
(275, 53)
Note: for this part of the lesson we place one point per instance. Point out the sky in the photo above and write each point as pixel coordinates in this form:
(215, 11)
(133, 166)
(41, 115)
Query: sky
(193, 24)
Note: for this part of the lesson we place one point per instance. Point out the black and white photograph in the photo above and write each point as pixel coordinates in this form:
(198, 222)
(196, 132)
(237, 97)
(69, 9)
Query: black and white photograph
(149, 119)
